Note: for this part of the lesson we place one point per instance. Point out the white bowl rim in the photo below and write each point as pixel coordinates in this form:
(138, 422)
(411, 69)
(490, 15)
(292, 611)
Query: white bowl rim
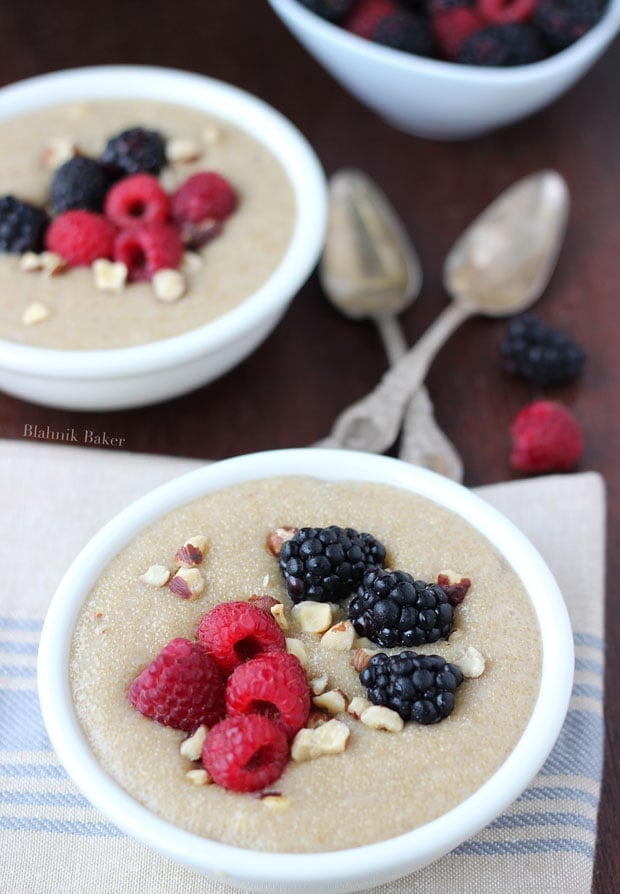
(386, 858)
(270, 298)
(600, 34)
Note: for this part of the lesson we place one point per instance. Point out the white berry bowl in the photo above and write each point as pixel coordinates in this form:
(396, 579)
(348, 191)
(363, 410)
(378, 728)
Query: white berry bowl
(443, 100)
(338, 870)
(164, 367)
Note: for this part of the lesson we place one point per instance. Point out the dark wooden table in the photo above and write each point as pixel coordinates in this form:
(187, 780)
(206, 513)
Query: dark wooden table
(288, 393)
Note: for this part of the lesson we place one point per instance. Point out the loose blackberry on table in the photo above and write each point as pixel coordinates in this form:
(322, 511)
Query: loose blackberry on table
(327, 564)
(535, 350)
(418, 687)
(391, 608)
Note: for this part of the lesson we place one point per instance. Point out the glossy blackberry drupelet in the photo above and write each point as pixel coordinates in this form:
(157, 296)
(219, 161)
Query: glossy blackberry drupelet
(517, 43)
(533, 349)
(135, 151)
(327, 564)
(562, 22)
(80, 183)
(418, 687)
(406, 31)
(22, 226)
(393, 609)
(332, 10)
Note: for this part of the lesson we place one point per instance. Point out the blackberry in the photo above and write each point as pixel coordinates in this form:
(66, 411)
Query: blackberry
(405, 31)
(517, 43)
(79, 183)
(332, 10)
(393, 609)
(22, 226)
(418, 687)
(537, 351)
(135, 151)
(562, 22)
(327, 564)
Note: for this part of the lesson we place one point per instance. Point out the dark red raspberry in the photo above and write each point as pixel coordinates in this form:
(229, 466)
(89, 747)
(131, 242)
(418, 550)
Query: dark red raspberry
(496, 12)
(274, 684)
(366, 15)
(452, 27)
(137, 200)
(233, 632)
(203, 196)
(81, 237)
(148, 248)
(182, 687)
(546, 438)
(245, 754)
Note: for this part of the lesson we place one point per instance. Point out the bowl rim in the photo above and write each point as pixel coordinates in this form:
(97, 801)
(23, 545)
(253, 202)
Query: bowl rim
(229, 103)
(383, 860)
(602, 33)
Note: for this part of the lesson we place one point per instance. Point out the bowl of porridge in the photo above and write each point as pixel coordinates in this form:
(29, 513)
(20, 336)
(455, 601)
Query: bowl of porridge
(281, 571)
(154, 227)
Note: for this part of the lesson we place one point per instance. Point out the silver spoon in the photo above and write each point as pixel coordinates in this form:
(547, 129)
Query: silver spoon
(499, 266)
(370, 269)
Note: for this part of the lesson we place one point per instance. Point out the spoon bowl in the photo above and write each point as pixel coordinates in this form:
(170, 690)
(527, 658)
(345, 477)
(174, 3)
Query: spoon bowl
(499, 266)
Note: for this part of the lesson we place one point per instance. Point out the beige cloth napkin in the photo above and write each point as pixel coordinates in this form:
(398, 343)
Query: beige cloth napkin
(55, 497)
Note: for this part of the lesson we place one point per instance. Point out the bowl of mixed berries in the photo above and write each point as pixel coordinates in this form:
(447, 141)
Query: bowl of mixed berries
(154, 227)
(451, 69)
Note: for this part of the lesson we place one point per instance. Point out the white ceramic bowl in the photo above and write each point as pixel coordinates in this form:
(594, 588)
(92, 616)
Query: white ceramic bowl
(127, 377)
(443, 100)
(336, 871)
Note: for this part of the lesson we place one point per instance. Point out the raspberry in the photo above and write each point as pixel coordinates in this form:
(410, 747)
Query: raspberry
(365, 17)
(22, 226)
(453, 26)
(148, 248)
(79, 183)
(496, 12)
(134, 151)
(203, 196)
(233, 632)
(273, 684)
(137, 200)
(245, 754)
(513, 43)
(81, 237)
(546, 437)
(182, 687)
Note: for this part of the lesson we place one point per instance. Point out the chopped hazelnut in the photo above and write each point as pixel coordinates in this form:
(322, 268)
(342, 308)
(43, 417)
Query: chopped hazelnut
(313, 617)
(156, 576)
(169, 285)
(198, 777)
(454, 585)
(297, 648)
(279, 536)
(188, 583)
(382, 718)
(361, 659)
(109, 276)
(334, 701)
(471, 663)
(192, 746)
(189, 555)
(275, 802)
(328, 738)
(35, 313)
(191, 262)
(339, 637)
(57, 152)
(358, 705)
(278, 613)
(180, 149)
(319, 684)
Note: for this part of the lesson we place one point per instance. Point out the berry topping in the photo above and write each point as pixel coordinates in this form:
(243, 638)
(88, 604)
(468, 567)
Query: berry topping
(203, 196)
(79, 183)
(245, 753)
(562, 22)
(546, 437)
(147, 248)
(135, 151)
(332, 10)
(393, 609)
(81, 237)
(182, 687)
(137, 200)
(517, 43)
(404, 30)
(366, 15)
(497, 12)
(327, 564)
(418, 687)
(453, 26)
(22, 226)
(273, 684)
(233, 632)
(537, 351)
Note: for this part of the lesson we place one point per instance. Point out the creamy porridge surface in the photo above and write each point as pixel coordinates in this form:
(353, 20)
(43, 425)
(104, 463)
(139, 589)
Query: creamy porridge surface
(234, 265)
(384, 783)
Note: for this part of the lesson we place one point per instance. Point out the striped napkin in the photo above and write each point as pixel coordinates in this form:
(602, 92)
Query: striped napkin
(55, 497)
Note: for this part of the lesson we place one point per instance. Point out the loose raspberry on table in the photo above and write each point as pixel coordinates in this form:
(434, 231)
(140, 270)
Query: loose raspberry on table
(274, 684)
(80, 183)
(366, 15)
(134, 151)
(203, 196)
(233, 632)
(182, 688)
(136, 200)
(22, 226)
(147, 248)
(245, 753)
(81, 237)
(546, 437)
